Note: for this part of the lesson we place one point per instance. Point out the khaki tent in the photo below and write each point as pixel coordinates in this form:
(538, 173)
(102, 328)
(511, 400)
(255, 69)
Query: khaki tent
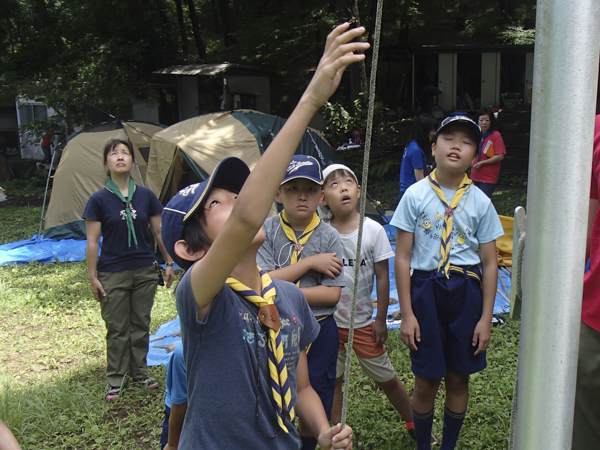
(81, 172)
(187, 152)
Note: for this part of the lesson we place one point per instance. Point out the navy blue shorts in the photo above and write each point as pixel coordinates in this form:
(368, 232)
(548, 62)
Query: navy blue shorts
(448, 311)
(322, 362)
(164, 435)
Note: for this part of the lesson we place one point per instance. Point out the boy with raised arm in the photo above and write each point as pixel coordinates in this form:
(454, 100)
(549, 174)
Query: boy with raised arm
(244, 334)
(302, 249)
(446, 233)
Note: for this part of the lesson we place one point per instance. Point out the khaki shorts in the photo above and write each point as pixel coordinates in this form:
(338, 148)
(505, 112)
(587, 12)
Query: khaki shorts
(374, 361)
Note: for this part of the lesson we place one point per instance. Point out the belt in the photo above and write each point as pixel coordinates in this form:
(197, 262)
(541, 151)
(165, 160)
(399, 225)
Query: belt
(465, 271)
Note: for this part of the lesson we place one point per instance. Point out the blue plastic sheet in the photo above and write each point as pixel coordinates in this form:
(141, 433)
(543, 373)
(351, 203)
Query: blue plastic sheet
(43, 251)
(157, 355)
(501, 304)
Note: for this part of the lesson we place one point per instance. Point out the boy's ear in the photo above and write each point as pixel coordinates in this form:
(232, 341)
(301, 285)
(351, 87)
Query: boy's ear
(322, 200)
(278, 197)
(183, 250)
(359, 189)
(433, 149)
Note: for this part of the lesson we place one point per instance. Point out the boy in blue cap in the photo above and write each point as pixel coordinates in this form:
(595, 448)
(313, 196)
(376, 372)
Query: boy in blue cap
(446, 234)
(244, 334)
(302, 249)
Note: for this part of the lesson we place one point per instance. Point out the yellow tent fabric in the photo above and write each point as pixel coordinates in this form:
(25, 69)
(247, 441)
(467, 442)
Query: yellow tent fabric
(504, 244)
(81, 172)
(206, 140)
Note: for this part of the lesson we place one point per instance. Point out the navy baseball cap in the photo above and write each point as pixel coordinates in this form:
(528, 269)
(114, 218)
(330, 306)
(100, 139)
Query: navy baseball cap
(304, 166)
(459, 119)
(231, 173)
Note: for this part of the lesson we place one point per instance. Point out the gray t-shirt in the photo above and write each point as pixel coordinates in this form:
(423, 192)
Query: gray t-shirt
(223, 354)
(276, 252)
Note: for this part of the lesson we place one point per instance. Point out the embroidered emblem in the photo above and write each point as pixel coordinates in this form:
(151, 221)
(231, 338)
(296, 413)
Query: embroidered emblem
(295, 165)
(449, 212)
(298, 247)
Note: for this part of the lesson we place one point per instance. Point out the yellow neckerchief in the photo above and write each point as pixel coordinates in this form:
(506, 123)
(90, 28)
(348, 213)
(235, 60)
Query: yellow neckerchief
(268, 316)
(444, 264)
(301, 241)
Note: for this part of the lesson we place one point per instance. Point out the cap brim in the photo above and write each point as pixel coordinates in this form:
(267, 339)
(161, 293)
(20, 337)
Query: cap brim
(230, 172)
(460, 120)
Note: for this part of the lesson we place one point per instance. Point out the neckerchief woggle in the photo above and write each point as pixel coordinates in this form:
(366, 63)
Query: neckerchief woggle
(302, 240)
(112, 187)
(268, 316)
(444, 264)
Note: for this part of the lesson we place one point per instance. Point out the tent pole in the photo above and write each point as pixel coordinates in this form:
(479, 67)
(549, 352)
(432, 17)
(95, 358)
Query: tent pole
(567, 47)
(46, 192)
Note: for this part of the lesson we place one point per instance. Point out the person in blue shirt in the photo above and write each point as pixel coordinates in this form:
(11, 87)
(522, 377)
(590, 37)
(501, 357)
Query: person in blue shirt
(414, 160)
(446, 275)
(175, 400)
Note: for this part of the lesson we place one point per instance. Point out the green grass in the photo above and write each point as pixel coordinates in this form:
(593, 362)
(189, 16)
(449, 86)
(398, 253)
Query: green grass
(52, 360)
(18, 222)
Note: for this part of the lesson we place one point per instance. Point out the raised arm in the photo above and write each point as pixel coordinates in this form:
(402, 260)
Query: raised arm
(256, 197)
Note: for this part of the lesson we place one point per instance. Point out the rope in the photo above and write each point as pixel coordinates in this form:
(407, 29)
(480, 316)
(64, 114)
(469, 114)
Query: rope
(520, 252)
(365, 176)
(519, 295)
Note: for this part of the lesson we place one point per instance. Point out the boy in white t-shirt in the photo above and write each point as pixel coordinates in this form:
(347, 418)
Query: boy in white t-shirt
(342, 194)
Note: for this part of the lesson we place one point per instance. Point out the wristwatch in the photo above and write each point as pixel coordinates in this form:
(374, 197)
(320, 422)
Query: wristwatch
(169, 264)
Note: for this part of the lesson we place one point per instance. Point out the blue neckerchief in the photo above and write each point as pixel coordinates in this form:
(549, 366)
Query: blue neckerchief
(483, 138)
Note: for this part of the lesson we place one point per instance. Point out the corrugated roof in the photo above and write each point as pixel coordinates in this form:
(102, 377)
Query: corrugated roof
(205, 69)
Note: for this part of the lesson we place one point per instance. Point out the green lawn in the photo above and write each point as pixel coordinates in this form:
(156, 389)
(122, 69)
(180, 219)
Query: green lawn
(52, 360)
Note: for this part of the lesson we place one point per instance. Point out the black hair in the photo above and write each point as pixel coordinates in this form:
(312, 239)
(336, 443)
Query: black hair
(486, 112)
(338, 172)
(110, 145)
(421, 129)
(193, 232)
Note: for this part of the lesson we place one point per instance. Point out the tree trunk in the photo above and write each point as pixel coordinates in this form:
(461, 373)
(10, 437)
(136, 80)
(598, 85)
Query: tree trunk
(229, 26)
(215, 15)
(184, 39)
(358, 72)
(196, 29)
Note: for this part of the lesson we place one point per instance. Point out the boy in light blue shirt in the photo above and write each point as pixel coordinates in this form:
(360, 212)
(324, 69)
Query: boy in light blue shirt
(446, 234)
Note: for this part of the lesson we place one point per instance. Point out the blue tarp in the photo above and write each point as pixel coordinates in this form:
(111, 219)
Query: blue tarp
(50, 250)
(43, 251)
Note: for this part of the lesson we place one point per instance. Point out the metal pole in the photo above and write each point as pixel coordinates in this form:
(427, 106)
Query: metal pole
(39, 235)
(567, 46)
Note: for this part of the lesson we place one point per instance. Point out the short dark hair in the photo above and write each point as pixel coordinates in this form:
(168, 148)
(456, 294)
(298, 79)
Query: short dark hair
(487, 112)
(194, 235)
(422, 126)
(113, 143)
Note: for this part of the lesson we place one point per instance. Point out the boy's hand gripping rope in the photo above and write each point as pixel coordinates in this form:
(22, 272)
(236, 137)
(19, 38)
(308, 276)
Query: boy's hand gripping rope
(365, 176)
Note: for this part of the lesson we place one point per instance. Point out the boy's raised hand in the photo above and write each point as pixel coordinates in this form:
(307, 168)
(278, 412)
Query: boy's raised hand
(335, 437)
(338, 54)
(326, 263)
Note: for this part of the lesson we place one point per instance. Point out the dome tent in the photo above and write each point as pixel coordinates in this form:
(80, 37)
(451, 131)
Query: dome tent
(187, 152)
(81, 172)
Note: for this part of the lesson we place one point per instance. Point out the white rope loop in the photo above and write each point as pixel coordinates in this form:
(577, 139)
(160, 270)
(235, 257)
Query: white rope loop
(363, 198)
